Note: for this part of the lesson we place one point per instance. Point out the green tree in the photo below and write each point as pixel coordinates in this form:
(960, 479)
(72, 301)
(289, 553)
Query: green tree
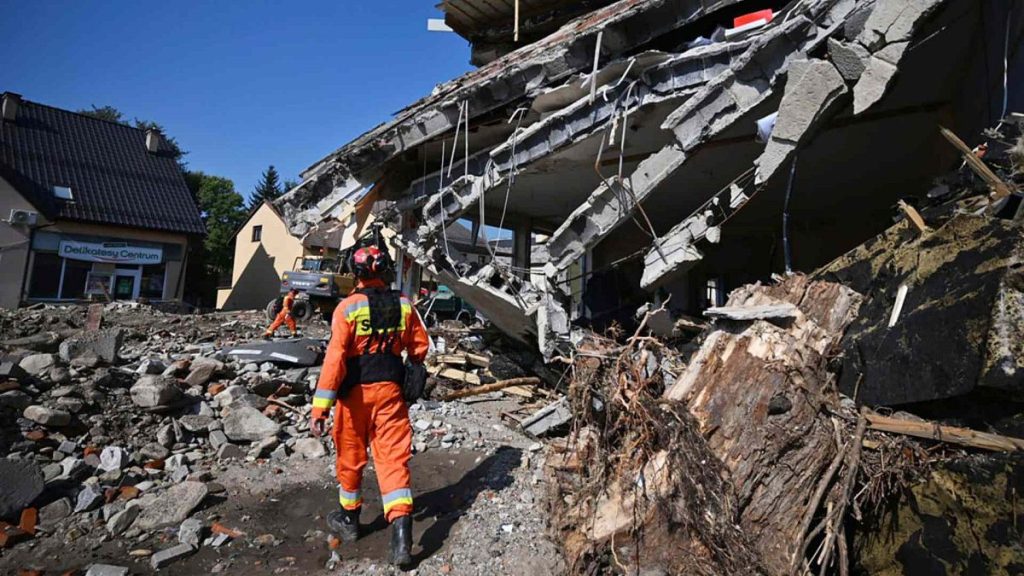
(223, 211)
(288, 185)
(268, 188)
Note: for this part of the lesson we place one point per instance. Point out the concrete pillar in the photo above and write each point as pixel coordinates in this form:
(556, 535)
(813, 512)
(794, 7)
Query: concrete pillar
(521, 245)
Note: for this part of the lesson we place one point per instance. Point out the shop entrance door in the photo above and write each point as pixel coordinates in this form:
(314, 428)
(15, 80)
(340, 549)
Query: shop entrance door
(126, 284)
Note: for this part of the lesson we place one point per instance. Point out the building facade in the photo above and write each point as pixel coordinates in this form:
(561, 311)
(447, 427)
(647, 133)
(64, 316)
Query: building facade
(91, 209)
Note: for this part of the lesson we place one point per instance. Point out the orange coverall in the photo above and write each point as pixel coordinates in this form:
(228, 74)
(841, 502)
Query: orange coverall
(284, 316)
(373, 413)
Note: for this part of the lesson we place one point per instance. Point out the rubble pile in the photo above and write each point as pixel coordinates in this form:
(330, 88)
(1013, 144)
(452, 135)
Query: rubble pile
(789, 438)
(122, 431)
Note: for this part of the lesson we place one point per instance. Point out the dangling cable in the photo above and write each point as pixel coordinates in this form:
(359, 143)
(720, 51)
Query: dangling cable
(785, 217)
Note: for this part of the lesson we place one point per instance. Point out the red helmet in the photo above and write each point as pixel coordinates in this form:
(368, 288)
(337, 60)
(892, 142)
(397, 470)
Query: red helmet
(369, 262)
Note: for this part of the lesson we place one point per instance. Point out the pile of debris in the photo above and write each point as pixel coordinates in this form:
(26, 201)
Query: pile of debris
(121, 432)
(479, 363)
(789, 437)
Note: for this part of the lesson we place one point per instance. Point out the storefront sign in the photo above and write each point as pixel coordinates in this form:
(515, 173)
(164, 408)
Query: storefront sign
(117, 253)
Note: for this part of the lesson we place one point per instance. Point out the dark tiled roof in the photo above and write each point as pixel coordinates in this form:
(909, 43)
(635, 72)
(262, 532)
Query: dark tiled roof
(113, 178)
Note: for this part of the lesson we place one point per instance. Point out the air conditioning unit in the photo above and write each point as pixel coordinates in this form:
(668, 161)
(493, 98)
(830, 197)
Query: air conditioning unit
(23, 218)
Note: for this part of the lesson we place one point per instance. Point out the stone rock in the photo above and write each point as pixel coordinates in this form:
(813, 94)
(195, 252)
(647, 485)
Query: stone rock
(218, 439)
(173, 506)
(203, 369)
(227, 451)
(47, 416)
(190, 532)
(113, 458)
(106, 570)
(59, 375)
(310, 448)
(261, 448)
(155, 391)
(52, 471)
(15, 400)
(122, 520)
(265, 387)
(166, 436)
(154, 451)
(229, 395)
(176, 461)
(150, 366)
(22, 482)
(195, 422)
(89, 499)
(10, 370)
(38, 364)
(55, 511)
(167, 556)
(103, 344)
(245, 424)
(74, 468)
(71, 404)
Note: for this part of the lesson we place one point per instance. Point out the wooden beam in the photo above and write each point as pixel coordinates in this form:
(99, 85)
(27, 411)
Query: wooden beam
(999, 188)
(529, 381)
(914, 216)
(941, 433)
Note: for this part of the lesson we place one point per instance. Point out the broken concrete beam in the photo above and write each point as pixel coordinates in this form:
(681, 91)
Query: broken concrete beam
(606, 209)
(892, 21)
(784, 311)
(750, 81)
(676, 252)
(849, 58)
(552, 417)
(504, 81)
(814, 90)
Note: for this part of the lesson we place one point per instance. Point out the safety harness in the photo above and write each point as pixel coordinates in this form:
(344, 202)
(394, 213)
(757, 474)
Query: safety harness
(377, 361)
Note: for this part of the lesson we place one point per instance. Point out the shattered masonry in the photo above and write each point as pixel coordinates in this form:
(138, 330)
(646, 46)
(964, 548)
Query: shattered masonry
(621, 147)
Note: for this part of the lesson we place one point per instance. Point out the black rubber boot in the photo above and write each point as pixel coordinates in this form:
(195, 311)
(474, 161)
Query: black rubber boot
(401, 541)
(345, 523)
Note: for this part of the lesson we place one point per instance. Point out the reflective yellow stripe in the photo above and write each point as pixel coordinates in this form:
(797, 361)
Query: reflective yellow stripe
(396, 502)
(323, 402)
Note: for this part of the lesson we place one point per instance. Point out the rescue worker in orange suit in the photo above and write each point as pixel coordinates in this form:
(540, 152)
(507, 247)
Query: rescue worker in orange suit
(284, 316)
(363, 370)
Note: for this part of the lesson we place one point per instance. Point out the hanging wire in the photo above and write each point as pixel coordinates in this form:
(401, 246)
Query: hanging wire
(785, 217)
(1006, 51)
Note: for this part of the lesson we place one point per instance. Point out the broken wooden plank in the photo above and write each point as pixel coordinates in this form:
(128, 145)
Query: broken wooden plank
(757, 312)
(459, 359)
(529, 381)
(941, 433)
(914, 217)
(459, 375)
(999, 188)
(478, 360)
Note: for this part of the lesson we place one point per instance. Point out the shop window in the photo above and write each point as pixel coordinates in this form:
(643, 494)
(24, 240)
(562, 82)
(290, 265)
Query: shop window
(75, 272)
(257, 233)
(45, 276)
(152, 281)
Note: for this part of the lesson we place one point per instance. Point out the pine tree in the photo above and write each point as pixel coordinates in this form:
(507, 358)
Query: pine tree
(268, 188)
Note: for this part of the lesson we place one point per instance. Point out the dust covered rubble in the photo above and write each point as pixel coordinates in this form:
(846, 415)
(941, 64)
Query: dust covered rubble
(129, 445)
(120, 433)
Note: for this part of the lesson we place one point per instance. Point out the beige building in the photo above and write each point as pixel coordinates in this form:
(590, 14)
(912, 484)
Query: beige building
(264, 249)
(90, 209)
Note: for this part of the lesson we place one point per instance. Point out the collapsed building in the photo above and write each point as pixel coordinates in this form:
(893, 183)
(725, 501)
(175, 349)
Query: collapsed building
(652, 150)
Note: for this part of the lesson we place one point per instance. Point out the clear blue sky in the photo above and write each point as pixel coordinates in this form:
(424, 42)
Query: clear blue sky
(240, 84)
